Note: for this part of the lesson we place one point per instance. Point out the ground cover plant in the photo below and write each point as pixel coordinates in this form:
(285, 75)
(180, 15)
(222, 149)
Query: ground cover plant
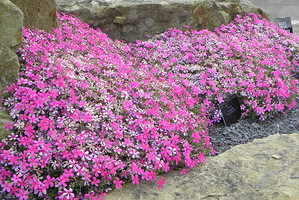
(250, 57)
(89, 117)
(91, 114)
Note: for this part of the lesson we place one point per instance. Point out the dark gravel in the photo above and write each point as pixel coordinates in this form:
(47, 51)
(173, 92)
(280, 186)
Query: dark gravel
(246, 130)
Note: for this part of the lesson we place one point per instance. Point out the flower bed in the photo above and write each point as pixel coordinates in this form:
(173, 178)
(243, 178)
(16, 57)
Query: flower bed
(91, 114)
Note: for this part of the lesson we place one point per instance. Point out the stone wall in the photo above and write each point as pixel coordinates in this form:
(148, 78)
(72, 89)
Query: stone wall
(39, 14)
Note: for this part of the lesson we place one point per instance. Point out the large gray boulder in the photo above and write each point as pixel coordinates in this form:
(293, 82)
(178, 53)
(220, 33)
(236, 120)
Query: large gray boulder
(131, 20)
(11, 31)
(265, 169)
(39, 14)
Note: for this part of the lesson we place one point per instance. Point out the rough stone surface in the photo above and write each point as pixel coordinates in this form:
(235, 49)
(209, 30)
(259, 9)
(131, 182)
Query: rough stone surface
(9, 67)
(210, 14)
(4, 117)
(39, 14)
(265, 169)
(11, 30)
(131, 20)
(11, 25)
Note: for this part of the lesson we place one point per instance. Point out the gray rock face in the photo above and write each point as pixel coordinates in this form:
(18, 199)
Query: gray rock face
(11, 31)
(39, 14)
(133, 19)
(265, 169)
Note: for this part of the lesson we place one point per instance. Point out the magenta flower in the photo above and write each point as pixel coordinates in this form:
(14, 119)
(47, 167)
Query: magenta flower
(184, 171)
(135, 179)
(161, 183)
(8, 126)
(118, 183)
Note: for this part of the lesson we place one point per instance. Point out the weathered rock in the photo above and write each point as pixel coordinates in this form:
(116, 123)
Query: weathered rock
(4, 118)
(263, 169)
(210, 14)
(131, 20)
(9, 67)
(11, 31)
(11, 25)
(39, 14)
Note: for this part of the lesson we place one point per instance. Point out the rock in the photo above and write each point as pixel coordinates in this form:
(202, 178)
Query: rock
(211, 14)
(39, 14)
(131, 20)
(264, 169)
(11, 25)
(4, 117)
(11, 31)
(9, 67)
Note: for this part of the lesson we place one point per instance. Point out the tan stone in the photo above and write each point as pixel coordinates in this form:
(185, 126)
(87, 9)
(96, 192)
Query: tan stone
(39, 14)
(11, 25)
(247, 171)
(4, 117)
(11, 31)
(9, 67)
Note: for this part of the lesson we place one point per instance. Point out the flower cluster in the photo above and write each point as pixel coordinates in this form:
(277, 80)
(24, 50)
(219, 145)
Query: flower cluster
(91, 114)
(250, 57)
(90, 117)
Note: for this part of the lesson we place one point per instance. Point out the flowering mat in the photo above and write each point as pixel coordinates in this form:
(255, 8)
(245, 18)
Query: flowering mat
(92, 114)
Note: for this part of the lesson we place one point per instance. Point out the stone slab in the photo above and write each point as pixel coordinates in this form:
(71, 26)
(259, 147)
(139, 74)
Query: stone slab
(265, 169)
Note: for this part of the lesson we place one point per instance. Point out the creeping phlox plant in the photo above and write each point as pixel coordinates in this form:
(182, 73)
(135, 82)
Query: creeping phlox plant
(250, 57)
(91, 114)
(89, 117)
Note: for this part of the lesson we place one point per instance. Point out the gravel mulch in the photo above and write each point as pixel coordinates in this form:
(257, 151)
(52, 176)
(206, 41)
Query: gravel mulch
(246, 130)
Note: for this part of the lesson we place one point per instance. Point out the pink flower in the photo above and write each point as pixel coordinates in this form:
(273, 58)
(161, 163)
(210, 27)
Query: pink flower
(201, 157)
(8, 125)
(49, 181)
(184, 171)
(196, 137)
(161, 183)
(135, 179)
(22, 195)
(118, 183)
